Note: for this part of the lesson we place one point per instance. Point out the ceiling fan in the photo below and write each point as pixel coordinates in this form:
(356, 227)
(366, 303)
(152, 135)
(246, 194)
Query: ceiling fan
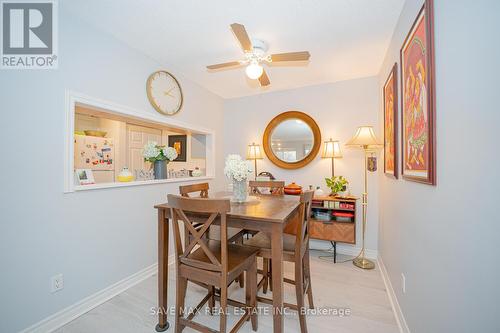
(255, 55)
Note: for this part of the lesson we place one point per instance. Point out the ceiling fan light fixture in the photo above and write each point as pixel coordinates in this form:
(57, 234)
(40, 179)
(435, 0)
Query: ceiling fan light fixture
(254, 71)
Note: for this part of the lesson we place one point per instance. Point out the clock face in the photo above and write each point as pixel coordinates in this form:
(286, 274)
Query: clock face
(164, 92)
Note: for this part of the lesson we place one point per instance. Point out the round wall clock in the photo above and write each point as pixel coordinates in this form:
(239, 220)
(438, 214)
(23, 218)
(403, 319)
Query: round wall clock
(164, 92)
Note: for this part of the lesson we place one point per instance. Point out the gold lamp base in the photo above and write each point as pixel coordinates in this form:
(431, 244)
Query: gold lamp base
(363, 263)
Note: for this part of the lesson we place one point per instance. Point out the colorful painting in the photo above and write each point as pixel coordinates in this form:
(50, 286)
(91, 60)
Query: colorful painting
(390, 122)
(179, 143)
(418, 100)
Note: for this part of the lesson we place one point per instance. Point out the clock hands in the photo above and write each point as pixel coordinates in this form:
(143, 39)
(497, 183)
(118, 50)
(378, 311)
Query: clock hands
(167, 93)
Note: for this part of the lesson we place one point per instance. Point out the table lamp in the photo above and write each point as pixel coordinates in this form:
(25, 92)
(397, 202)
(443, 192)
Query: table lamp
(331, 149)
(254, 153)
(365, 139)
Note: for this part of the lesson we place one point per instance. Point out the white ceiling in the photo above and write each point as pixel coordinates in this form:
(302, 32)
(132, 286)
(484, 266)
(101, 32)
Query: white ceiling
(347, 39)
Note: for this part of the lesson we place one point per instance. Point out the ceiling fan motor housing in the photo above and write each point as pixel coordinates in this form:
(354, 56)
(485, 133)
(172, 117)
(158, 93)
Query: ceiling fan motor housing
(259, 47)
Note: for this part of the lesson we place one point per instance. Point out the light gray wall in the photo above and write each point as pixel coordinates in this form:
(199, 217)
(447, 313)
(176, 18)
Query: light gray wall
(445, 238)
(338, 109)
(95, 238)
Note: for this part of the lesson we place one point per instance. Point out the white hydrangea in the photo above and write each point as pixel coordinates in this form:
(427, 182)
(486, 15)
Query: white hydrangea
(150, 150)
(236, 168)
(170, 153)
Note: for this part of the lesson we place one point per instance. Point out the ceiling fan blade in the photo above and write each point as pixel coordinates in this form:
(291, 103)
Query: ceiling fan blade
(290, 56)
(264, 79)
(241, 33)
(224, 65)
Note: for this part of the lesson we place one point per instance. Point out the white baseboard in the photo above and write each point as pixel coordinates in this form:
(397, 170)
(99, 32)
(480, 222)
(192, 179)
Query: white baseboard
(74, 311)
(346, 249)
(398, 313)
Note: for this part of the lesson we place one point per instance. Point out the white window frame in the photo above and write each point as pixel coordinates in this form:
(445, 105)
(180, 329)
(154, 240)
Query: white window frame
(74, 99)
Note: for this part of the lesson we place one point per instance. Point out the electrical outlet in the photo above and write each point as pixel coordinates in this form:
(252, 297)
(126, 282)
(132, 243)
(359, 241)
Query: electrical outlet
(56, 283)
(403, 283)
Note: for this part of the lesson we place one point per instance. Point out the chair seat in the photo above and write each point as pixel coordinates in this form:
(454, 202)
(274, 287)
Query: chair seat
(214, 232)
(238, 255)
(262, 240)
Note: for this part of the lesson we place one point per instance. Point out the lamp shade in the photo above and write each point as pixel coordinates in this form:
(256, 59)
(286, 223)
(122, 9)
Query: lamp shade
(254, 152)
(364, 137)
(331, 148)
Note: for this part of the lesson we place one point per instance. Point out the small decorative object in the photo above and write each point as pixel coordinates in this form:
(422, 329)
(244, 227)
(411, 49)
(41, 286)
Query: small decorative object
(266, 174)
(159, 156)
(179, 143)
(84, 176)
(371, 163)
(331, 149)
(164, 93)
(196, 172)
(319, 192)
(125, 175)
(237, 171)
(391, 123)
(293, 189)
(337, 184)
(100, 134)
(418, 100)
(254, 153)
(143, 175)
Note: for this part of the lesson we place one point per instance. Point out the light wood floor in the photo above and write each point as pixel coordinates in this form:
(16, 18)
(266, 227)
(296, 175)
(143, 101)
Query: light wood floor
(338, 285)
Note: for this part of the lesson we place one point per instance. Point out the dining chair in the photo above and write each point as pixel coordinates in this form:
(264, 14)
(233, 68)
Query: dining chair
(266, 187)
(235, 235)
(296, 250)
(273, 186)
(213, 263)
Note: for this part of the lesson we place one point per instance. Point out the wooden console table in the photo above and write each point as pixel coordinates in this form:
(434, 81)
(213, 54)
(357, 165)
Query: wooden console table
(333, 231)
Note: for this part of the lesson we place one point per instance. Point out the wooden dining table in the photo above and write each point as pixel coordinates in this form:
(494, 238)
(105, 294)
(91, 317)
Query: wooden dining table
(265, 213)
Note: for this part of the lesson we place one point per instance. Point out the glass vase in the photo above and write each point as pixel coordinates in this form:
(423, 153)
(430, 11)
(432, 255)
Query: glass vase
(240, 190)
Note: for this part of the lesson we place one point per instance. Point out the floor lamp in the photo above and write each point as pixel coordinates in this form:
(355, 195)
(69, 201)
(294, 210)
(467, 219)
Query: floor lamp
(331, 149)
(365, 139)
(254, 153)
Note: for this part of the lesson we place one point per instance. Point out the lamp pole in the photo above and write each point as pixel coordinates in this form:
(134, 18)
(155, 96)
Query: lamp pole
(333, 166)
(255, 168)
(360, 260)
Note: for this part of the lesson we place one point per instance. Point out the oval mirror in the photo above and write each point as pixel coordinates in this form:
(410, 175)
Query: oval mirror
(292, 140)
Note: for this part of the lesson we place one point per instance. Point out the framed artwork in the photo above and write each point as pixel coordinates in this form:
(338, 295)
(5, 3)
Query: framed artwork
(418, 100)
(179, 143)
(391, 123)
(84, 176)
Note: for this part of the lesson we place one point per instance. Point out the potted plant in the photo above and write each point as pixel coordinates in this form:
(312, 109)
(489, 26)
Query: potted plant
(237, 170)
(159, 156)
(337, 184)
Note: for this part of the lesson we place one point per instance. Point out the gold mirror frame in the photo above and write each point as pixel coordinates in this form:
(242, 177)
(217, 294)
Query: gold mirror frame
(266, 142)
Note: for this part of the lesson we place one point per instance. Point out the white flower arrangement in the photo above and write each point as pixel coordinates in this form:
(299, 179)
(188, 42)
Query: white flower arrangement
(153, 152)
(236, 168)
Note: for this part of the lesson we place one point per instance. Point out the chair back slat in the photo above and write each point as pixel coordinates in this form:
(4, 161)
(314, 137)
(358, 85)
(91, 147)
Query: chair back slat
(275, 187)
(193, 210)
(302, 233)
(203, 188)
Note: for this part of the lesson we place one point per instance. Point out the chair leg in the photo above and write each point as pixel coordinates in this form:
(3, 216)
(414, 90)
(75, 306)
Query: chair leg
(251, 294)
(180, 292)
(265, 274)
(299, 291)
(211, 300)
(223, 312)
(270, 275)
(307, 272)
(241, 278)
